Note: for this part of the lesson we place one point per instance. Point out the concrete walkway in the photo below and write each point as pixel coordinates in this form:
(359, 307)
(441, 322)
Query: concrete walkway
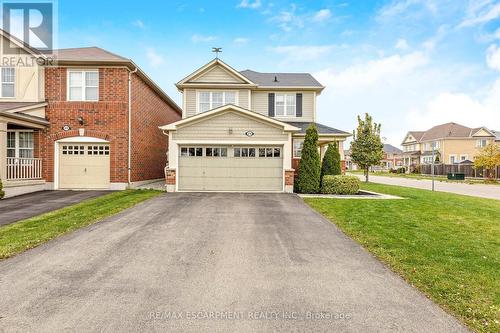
(33, 204)
(211, 262)
(475, 190)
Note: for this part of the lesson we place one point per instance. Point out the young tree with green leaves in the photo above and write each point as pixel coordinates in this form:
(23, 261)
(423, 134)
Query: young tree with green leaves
(309, 175)
(488, 158)
(366, 147)
(331, 161)
(2, 193)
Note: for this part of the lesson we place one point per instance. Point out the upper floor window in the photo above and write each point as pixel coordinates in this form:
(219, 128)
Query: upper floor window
(208, 100)
(8, 81)
(83, 85)
(285, 105)
(481, 143)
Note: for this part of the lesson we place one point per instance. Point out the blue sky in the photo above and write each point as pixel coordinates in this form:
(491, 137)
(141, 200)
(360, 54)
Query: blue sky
(411, 64)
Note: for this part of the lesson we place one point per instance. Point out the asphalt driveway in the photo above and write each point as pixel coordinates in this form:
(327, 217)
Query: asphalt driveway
(211, 262)
(33, 204)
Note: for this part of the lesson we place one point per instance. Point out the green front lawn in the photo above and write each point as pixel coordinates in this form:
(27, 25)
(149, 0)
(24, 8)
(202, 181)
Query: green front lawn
(421, 176)
(27, 234)
(446, 245)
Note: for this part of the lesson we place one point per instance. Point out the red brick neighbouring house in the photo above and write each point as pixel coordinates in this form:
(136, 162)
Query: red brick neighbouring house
(70, 128)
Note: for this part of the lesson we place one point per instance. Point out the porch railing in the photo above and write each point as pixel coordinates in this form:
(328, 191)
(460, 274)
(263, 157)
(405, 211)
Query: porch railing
(24, 168)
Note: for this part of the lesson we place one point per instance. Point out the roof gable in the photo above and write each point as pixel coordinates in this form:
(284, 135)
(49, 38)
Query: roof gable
(230, 108)
(215, 71)
(482, 131)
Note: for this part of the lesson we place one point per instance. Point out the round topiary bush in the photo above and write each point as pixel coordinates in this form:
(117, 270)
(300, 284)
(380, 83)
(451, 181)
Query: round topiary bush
(340, 185)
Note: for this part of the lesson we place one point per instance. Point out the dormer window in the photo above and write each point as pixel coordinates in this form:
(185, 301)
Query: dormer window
(8, 82)
(285, 105)
(208, 100)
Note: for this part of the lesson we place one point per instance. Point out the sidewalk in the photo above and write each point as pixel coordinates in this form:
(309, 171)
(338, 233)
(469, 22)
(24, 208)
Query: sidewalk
(475, 190)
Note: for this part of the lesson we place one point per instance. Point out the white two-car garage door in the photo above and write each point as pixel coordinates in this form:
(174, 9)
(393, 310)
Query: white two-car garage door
(228, 168)
(84, 166)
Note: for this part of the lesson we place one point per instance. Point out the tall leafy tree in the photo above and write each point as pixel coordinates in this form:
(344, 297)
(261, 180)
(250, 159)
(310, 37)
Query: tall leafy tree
(366, 147)
(488, 157)
(309, 175)
(331, 161)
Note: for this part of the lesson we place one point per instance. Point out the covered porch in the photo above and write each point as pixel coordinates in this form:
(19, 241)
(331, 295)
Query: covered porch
(20, 162)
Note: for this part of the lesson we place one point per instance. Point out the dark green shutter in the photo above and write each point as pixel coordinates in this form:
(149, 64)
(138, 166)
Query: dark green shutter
(271, 104)
(298, 105)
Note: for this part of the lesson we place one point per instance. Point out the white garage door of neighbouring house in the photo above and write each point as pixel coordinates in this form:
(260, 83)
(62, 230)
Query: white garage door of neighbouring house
(84, 166)
(228, 168)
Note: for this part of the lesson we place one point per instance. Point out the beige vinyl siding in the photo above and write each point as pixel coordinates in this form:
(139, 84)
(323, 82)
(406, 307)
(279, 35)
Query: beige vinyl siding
(260, 105)
(460, 147)
(217, 74)
(217, 128)
(191, 99)
(243, 98)
(190, 102)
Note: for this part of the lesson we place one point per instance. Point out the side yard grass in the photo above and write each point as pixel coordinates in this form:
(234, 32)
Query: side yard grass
(421, 176)
(446, 245)
(20, 236)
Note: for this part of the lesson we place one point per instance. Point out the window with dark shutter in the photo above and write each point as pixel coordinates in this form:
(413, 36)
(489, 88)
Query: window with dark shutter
(271, 104)
(298, 101)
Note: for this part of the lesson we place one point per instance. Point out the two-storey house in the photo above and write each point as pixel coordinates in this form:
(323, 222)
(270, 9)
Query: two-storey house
(81, 118)
(242, 131)
(452, 143)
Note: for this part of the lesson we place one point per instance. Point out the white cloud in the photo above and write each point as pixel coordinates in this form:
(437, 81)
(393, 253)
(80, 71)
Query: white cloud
(287, 19)
(480, 12)
(196, 38)
(139, 24)
(240, 40)
(401, 44)
(372, 72)
(249, 4)
(441, 33)
(493, 57)
(461, 108)
(155, 59)
(398, 7)
(303, 52)
(322, 15)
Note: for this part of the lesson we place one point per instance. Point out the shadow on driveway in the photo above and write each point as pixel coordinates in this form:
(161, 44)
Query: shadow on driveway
(33, 204)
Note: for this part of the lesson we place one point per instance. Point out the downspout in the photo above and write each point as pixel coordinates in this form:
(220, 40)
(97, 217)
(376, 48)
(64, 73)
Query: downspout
(129, 157)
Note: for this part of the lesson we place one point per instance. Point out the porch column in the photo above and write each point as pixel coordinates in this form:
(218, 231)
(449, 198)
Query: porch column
(3, 151)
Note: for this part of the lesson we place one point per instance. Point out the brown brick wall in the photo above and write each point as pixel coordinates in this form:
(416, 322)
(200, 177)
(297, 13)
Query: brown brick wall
(105, 118)
(149, 144)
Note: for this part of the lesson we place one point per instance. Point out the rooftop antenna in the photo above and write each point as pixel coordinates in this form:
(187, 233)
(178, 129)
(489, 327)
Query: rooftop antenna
(217, 50)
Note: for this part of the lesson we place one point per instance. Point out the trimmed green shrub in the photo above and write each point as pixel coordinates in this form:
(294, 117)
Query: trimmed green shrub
(331, 161)
(401, 170)
(340, 185)
(309, 175)
(2, 193)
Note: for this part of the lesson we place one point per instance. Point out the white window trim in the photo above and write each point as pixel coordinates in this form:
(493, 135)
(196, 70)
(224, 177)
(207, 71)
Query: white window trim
(464, 155)
(16, 147)
(285, 105)
(15, 84)
(83, 86)
(198, 91)
(293, 147)
(456, 158)
(479, 143)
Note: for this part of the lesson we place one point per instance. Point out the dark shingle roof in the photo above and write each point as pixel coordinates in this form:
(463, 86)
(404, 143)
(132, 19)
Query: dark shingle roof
(497, 135)
(5, 106)
(283, 79)
(390, 149)
(92, 53)
(322, 129)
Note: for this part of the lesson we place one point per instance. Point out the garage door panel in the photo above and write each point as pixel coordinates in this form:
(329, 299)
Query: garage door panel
(85, 167)
(229, 173)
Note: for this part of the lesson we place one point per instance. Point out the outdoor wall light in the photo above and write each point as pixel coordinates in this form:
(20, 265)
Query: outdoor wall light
(80, 120)
(230, 131)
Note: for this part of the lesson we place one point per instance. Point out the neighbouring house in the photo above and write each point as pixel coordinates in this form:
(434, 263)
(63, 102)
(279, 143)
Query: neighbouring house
(242, 131)
(497, 135)
(81, 118)
(453, 143)
(392, 159)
